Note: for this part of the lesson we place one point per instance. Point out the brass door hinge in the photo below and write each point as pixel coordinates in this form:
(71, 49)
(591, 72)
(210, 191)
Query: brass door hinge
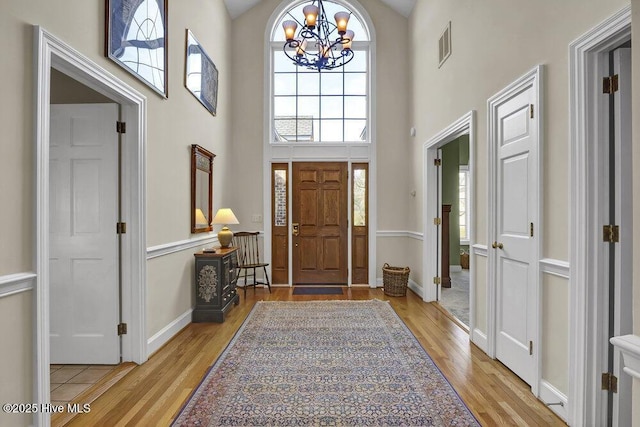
(610, 233)
(530, 229)
(121, 127)
(437, 221)
(121, 228)
(437, 162)
(610, 85)
(531, 110)
(609, 382)
(436, 280)
(122, 329)
(530, 348)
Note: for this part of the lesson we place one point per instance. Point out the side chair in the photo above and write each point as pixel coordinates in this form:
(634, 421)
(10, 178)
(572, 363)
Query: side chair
(249, 259)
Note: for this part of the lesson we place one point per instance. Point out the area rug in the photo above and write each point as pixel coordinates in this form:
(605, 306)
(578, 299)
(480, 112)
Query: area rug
(325, 363)
(315, 290)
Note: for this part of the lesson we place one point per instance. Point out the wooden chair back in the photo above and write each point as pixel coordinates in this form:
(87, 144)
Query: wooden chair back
(248, 248)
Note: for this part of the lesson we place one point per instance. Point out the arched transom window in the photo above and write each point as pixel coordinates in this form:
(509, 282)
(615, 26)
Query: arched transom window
(320, 106)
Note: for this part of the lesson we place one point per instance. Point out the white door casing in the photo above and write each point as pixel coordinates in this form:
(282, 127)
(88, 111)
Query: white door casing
(588, 64)
(84, 249)
(514, 202)
(623, 258)
(51, 52)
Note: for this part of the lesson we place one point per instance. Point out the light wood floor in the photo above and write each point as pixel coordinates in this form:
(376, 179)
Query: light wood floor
(153, 393)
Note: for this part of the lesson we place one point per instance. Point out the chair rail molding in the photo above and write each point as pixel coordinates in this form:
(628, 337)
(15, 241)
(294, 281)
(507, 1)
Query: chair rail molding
(12, 284)
(181, 245)
(629, 345)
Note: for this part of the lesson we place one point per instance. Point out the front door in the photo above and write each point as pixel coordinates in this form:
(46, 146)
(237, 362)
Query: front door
(516, 143)
(320, 223)
(83, 242)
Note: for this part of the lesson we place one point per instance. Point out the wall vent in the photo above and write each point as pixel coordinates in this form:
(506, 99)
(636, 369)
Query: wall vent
(444, 45)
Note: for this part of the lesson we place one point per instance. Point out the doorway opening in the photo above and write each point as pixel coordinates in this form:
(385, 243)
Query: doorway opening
(52, 54)
(454, 197)
(446, 261)
(599, 267)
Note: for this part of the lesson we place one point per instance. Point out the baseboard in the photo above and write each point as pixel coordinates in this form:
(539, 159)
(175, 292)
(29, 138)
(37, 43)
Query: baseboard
(415, 288)
(479, 338)
(165, 334)
(554, 399)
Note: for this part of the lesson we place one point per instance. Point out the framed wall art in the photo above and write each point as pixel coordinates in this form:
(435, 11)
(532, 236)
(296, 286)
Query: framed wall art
(201, 74)
(137, 39)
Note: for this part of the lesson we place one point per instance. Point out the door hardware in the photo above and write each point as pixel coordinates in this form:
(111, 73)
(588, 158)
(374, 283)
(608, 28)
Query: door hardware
(497, 245)
(295, 227)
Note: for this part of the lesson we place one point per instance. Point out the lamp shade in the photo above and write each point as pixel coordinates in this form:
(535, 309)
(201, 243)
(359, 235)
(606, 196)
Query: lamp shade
(201, 220)
(310, 15)
(225, 216)
(342, 19)
(289, 29)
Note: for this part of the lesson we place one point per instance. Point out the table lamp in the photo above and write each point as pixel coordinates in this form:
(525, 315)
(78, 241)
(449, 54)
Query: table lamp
(225, 216)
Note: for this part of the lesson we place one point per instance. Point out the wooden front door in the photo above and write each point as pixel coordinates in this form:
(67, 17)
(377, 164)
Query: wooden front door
(320, 217)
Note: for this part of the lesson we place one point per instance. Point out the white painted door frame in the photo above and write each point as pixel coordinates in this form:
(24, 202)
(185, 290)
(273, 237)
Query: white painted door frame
(51, 52)
(588, 57)
(464, 125)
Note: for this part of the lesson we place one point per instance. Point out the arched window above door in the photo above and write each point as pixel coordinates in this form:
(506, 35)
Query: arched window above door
(328, 106)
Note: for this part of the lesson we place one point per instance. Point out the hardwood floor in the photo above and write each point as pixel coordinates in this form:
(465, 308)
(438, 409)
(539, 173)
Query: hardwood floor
(153, 393)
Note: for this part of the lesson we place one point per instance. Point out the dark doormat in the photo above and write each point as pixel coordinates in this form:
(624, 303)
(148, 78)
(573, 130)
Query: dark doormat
(325, 290)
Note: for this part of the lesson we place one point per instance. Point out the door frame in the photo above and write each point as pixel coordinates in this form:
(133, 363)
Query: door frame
(588, 55)
(51, 52)
(463, 126)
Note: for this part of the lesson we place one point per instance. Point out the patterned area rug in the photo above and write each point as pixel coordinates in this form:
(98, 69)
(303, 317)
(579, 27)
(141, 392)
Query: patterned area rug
(324, 363)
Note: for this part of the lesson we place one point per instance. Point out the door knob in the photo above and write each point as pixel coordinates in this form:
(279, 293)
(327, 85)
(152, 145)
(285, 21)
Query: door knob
(497, 245)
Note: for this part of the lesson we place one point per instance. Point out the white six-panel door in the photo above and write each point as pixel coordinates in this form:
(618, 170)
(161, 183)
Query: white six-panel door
(514, 144)
(84, 248)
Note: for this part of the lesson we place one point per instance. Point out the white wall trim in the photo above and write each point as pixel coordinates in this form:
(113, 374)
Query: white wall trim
(479, 338)
(181, 245)
(584, 324)
(629, 346)
(480, 250)
(554, 399)
(50, 52)
(555, 267)
(12, 284)
(399, 233)
(165, 334)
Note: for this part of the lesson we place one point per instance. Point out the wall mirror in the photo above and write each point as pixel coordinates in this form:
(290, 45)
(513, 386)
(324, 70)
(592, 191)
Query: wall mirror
(201, 189)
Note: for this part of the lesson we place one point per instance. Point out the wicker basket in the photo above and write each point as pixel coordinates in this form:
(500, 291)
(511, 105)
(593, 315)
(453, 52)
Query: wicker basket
(395, 280)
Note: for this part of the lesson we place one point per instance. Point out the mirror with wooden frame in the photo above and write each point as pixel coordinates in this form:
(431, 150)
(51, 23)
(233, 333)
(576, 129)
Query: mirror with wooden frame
(201, 189)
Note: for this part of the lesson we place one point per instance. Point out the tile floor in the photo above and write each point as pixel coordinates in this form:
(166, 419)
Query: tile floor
(68, 381)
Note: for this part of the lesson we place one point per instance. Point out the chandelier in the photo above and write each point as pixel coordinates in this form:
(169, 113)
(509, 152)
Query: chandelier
(319, 44)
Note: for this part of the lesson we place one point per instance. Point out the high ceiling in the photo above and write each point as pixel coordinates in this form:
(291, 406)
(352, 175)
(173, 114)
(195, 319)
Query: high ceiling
(238, 7)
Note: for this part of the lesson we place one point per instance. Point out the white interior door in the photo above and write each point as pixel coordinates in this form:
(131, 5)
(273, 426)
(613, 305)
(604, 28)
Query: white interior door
(84, 302)
(514, 248)
(623, 207)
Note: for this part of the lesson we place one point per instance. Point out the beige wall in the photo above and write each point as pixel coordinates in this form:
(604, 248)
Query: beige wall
(493, 43)
(173, 125)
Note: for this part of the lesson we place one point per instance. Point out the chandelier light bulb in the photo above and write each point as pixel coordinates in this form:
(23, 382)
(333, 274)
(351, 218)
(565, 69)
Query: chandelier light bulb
(310, 15)
(347, 40)
(289, 29)
(342, 19)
